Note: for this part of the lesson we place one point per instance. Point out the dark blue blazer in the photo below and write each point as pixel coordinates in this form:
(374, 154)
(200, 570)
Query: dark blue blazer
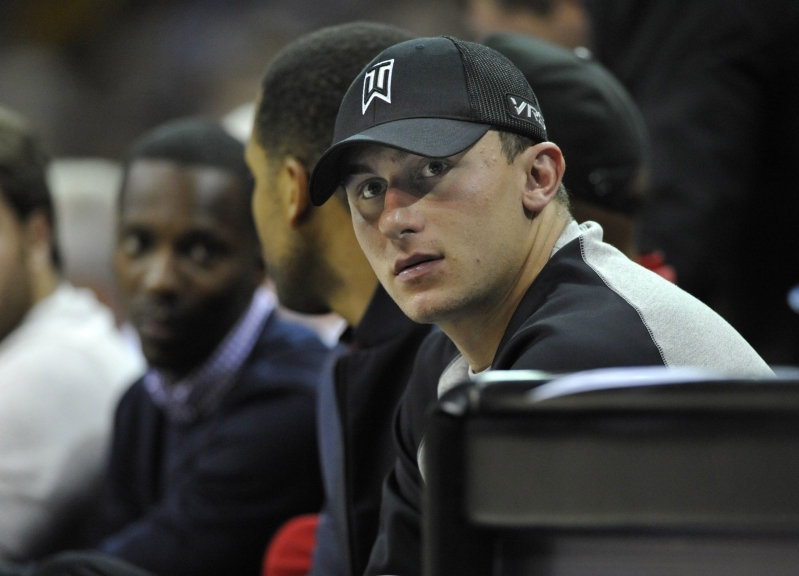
(205, 498)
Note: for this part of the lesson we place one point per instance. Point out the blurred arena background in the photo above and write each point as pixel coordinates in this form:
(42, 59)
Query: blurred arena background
(92, 75)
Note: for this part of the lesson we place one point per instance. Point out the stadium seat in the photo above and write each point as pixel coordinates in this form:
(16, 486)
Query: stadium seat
(644, 472)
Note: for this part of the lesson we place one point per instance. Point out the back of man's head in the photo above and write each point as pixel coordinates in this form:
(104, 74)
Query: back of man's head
(305, 83)
(23, 166)
(563, 22)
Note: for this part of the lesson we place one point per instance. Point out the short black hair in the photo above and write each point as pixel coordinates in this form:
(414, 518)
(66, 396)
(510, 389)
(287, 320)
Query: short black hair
(304, 85)
(23, 172)
(192, 141)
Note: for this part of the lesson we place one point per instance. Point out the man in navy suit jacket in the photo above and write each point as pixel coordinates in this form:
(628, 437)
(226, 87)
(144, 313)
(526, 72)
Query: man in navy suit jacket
(215, 446)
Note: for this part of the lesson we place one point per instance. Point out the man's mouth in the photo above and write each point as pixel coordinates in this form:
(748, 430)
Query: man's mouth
(159, 322)
(158, 328)
(416, 265)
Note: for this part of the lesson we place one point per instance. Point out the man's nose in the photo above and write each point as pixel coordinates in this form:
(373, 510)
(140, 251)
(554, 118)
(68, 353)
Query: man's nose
(401, 215)
(162, 276)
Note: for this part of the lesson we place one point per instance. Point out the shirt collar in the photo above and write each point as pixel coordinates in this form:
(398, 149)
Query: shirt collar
(202, 391)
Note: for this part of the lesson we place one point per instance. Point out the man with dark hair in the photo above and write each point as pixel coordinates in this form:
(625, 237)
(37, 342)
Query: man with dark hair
(317, 265)
(63, 365)
(470, 233)
(215, 447)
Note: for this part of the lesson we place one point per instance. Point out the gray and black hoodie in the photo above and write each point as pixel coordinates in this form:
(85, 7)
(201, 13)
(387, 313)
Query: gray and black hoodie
(590, 307)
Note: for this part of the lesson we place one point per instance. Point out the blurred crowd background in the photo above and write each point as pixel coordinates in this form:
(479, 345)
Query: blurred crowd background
(717, 82)
(93, 75)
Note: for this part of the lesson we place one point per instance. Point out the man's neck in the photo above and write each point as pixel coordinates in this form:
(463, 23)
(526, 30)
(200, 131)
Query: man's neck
(353, 295)
(356, 281)
(477, 336)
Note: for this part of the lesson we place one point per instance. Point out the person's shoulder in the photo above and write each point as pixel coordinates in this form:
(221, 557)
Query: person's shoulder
(282, 335)
(575, 317)
(435, 354)
(286, 355)
(75, 335)
(600, 309)
(436, 344)
(135, 415)
(134, 396)
(136, 403)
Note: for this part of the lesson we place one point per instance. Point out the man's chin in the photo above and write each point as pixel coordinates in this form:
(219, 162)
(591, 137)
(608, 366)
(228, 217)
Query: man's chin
(169, 357)
(302, 305)
(425, 308)
(298, 294)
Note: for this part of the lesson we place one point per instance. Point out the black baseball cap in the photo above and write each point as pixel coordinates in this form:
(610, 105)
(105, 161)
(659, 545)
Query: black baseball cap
(591, 117)
(431, 97)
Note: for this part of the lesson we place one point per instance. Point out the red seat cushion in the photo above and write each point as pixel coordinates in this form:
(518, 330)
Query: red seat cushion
(289, 553)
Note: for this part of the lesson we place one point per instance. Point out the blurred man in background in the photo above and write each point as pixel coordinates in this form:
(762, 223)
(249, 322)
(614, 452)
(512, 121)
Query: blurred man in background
(216, 446)
(63, 365)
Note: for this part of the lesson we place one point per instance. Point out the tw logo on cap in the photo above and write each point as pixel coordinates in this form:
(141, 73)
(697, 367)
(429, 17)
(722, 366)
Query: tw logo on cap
(377, 83)
(522, 109)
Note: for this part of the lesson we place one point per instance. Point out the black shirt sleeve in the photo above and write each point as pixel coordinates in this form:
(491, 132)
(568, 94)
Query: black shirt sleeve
(397, 549)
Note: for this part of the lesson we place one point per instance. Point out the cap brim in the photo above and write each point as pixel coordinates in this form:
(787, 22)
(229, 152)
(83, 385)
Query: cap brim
(431, 137)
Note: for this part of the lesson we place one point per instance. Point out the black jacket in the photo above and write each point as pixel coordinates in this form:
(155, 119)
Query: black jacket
(369, 382)
(590, 307)
(209, 503)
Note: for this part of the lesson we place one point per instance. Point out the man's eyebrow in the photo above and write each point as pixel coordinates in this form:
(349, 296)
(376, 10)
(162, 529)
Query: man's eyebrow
(353, 169)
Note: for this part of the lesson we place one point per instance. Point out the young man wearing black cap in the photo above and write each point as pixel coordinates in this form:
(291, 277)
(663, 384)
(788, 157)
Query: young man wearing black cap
(457, 202)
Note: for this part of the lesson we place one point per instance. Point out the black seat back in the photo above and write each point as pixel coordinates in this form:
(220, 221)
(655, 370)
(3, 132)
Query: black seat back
(688, 478)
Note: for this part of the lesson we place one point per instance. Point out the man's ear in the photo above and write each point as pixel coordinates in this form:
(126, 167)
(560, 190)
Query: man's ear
(544, 167)
(295, 184)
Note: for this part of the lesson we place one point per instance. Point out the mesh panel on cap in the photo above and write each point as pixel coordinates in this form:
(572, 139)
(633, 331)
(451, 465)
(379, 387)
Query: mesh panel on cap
(490, 77)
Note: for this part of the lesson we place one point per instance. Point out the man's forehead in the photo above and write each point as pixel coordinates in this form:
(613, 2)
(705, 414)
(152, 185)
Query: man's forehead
(367, 158)
(176, 189)
(366, 152)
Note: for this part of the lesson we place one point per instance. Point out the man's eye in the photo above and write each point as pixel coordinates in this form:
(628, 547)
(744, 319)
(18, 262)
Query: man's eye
(199, 253)
(434, 168)
(371, 189)
(133, 244)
